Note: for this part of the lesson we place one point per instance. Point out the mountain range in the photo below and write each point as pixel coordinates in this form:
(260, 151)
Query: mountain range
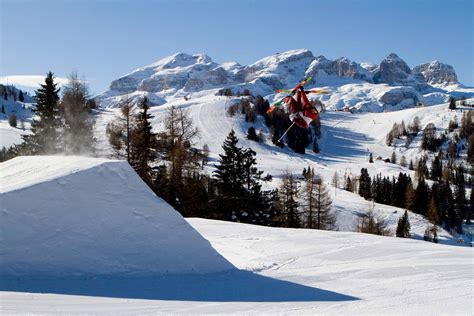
(390, 85)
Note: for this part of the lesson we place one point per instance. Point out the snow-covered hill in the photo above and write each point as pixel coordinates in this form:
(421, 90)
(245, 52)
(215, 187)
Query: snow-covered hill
(287, 271)
(391, 85)
(346, 141)
(11, 105)
(76, 217)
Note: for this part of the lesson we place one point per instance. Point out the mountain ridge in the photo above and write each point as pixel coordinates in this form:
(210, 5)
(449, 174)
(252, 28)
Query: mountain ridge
(182, 74)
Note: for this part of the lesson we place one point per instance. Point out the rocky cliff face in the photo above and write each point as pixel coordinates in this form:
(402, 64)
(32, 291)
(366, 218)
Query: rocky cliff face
(394, 71)
(436, 73)
(341, 67)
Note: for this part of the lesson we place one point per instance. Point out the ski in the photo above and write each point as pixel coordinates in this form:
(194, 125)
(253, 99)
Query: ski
(316, 91)
(292, 93)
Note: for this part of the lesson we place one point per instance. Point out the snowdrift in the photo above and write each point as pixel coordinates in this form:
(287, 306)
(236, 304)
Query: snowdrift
(76, 217)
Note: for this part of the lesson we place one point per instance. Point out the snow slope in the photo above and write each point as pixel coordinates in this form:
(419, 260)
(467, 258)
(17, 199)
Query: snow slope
(345, 144)
(287, 271)
(76, 217)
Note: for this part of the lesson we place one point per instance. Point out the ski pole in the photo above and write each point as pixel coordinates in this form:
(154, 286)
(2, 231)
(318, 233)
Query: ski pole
(286, 132)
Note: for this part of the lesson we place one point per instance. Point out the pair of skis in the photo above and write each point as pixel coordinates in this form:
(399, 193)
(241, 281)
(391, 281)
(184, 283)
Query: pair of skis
(291, 92)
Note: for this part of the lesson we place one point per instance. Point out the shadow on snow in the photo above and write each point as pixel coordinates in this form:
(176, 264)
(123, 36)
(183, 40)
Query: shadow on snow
(230, 286)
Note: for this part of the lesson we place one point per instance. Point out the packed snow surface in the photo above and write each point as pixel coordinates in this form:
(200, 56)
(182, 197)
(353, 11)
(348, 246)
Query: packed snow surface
(76, 216)
(287, 271)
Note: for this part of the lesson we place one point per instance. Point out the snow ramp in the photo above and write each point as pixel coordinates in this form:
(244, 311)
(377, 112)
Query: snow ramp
(75, 216)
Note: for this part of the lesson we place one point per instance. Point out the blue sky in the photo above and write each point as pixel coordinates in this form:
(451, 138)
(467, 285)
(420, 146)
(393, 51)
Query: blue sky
(104, 39)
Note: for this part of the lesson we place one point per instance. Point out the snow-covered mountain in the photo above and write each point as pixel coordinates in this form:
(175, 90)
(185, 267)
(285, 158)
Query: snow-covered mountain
(10, 104)
(391, 85)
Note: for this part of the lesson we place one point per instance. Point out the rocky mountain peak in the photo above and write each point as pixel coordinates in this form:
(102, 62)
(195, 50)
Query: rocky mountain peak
(436, 72)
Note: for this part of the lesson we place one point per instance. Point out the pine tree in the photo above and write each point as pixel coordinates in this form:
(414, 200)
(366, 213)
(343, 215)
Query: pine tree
(421, 196)
(365, 184)
(371, 158)
(288, 203)
(467, 126)
(251, 134)
(143, 144)
(393, 159)
(348, 186)
(45, 137)
(21, 97)
(3, 109)
(452, 103)
(403, 227)
(410, 166)
(470, 149)
(460, 195)
(436, 168)
(317, 204)
(409, 197)
(238, 182)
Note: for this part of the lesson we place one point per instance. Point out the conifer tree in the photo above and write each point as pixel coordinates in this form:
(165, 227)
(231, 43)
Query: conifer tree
(403, 227)
(421, 197)
(251, 134)
(21, 97)
(409, 197)
(348, 186)
(460, 194)
(317, 204)
(393, 159)
(436, 168)
(452, 103)
(238, 182)
(143, 144)
(45, 137)
(470, 149)
(365, 184)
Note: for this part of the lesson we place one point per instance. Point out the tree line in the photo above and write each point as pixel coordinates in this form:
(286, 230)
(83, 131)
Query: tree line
(62, 124)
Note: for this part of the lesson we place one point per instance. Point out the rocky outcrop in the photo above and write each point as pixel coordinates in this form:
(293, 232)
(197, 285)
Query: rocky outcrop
(392, 69)
(341, 67)
(396, 96)
(436, 73)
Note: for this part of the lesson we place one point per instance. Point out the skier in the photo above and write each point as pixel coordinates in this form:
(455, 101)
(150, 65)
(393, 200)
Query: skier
(302, 111)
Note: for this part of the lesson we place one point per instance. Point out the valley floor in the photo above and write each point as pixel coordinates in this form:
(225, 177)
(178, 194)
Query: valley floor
(282, 271)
